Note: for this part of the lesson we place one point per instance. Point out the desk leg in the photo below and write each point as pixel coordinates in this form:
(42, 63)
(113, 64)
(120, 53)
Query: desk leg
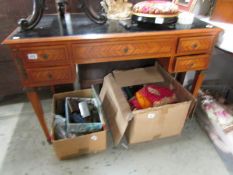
(35, 101)
(199, 77)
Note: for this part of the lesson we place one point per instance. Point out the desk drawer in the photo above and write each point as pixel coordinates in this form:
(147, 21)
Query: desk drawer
(195, 44)
(188, 63)
(122, 50)
(50, 55)
(52, 75)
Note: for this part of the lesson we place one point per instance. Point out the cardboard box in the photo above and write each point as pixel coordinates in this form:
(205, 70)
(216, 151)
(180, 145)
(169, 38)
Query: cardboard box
(146, 124)
(89, 143)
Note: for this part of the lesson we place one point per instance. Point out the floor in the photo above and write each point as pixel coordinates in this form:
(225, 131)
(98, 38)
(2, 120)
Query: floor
(24, 150)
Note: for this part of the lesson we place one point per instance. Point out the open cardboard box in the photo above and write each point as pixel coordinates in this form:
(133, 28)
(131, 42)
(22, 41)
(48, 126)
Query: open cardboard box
(89, 143)
(146, 124)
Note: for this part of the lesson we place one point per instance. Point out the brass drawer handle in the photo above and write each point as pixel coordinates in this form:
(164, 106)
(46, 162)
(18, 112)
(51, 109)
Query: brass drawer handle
(45, 56)
(50, 76)
(194, 46)
(191, 65)
(126, 50)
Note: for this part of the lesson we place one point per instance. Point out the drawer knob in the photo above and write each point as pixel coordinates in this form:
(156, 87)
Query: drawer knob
(45, 56)
(191, 65)
(194, 46)
(50, 76)
(126, 50)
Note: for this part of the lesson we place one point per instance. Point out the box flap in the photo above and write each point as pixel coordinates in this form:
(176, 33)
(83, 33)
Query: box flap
(186, 95)
(138, 76)
(98, 104)
(116, 108)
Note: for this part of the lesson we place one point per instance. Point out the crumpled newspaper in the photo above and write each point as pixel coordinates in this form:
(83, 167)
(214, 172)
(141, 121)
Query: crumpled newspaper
(216, 111)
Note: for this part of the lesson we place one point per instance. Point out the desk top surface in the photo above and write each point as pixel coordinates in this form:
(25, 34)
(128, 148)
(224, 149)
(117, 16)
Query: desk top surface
(80, 25)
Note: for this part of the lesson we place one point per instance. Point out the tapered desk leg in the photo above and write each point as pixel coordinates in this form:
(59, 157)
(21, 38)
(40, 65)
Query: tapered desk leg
(199, 77)
(35, 101)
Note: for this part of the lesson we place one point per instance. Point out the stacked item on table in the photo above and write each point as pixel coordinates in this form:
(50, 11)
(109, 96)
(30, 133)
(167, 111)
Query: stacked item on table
(155, 12)
(156, 7)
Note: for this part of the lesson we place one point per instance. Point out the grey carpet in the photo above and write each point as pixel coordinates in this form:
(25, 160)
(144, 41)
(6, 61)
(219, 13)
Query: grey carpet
(191, 153)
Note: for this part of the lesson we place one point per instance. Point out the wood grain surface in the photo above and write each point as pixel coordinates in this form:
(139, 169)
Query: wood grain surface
(223, 11)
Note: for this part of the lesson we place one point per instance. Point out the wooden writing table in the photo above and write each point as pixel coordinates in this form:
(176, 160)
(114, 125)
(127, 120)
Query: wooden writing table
(47, 55)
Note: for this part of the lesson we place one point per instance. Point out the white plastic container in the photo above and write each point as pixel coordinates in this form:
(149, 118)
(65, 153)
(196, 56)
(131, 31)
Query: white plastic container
(185, 18)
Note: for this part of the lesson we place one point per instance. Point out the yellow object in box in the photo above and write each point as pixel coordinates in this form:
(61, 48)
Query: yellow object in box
(143, 101)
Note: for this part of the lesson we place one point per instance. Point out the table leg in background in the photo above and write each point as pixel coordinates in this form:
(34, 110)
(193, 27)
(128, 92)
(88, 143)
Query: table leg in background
(197, 82)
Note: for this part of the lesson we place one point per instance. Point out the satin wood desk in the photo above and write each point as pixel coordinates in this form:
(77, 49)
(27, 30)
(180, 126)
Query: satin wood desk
(47, 55)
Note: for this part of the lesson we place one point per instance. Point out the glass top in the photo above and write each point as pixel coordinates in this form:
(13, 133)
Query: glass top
(80, 24)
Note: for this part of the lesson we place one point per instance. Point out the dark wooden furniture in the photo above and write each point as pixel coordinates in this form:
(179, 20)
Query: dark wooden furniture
(223, 11)
(47, 54)
(38, 10)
